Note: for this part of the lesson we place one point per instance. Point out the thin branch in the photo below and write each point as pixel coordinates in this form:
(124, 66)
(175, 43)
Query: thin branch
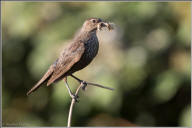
(71, 106)
(82, 85)
(101, 86)
(89, 83)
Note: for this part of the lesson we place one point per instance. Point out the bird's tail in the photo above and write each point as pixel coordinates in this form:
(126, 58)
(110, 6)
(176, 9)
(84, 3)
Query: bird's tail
(35, 87)
(40, 82)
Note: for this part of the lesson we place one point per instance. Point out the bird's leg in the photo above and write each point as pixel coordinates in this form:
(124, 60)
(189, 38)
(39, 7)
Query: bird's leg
(70, 92)
(84, 83)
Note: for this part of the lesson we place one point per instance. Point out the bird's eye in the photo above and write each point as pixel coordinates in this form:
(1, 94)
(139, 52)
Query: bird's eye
(94, 21)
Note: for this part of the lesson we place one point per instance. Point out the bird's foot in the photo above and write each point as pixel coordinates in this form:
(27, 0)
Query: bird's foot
(84, 85)
(75, 97)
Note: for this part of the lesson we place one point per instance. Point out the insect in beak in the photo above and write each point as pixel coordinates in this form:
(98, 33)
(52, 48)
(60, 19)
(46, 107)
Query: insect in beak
(104, 24)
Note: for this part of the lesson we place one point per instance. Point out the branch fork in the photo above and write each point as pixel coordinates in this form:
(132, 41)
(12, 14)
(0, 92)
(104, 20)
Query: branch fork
(83, 85)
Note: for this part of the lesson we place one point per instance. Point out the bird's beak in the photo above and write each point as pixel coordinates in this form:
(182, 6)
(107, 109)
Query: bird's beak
(104, 24)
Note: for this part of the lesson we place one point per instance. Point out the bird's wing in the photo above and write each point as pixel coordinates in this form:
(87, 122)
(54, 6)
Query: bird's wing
(67, 59)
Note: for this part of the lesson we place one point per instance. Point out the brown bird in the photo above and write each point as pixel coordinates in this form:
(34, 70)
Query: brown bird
(77, 55)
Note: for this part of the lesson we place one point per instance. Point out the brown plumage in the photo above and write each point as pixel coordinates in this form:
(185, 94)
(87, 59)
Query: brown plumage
(77, 55)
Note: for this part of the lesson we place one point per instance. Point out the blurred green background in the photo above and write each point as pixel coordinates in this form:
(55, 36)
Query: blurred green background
(146, 59)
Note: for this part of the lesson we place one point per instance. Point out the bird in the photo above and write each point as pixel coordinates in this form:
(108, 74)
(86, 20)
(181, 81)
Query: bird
(77, 55)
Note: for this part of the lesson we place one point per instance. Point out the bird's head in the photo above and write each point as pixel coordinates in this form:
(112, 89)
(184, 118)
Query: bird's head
(94, 24)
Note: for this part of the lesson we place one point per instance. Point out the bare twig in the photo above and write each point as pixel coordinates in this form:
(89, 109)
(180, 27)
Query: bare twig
(89, 83)
(98, 85)
(71, 106)
(82, 85)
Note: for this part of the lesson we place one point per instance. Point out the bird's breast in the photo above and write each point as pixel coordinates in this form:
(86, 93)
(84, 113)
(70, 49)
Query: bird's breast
(91, 50)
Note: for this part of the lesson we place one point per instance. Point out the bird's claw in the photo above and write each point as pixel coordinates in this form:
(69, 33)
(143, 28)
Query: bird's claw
(84, 85)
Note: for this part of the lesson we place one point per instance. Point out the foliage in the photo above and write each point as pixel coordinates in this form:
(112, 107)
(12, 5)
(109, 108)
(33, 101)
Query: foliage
(146, 59)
